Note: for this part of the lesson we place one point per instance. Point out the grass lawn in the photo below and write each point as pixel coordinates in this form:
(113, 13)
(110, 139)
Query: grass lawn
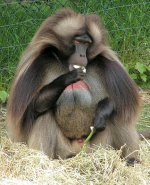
(127, 23)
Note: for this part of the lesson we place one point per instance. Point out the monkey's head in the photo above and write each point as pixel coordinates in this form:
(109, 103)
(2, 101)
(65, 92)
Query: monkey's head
(79, 36)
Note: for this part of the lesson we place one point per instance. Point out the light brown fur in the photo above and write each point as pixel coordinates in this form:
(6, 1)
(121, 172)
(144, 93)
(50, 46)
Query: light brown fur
(49, 133)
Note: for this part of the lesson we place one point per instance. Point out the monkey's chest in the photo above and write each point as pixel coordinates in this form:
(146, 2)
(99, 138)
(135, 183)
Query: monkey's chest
(75, 111)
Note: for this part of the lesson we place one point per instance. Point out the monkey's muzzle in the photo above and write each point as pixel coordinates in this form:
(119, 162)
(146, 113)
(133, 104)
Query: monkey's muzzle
(80, 67)
(72, 67)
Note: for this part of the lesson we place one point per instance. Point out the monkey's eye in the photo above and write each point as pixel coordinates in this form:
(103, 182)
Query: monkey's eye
(84, 38)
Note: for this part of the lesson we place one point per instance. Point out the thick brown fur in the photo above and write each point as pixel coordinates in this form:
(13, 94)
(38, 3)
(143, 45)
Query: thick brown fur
(43, 61)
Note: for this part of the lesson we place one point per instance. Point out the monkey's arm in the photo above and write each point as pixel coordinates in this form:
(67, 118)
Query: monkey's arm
(49, 94)
(104, 110)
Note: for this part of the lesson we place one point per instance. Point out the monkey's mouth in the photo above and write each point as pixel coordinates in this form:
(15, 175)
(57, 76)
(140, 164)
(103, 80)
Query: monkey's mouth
(72, 67)
(82, 67)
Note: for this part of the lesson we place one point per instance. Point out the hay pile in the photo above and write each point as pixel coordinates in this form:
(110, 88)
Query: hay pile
(22, 166)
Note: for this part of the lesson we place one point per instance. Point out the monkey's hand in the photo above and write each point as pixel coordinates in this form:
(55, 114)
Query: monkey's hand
(104, 111)
(74, 76)
(99, 123)
(49, 94)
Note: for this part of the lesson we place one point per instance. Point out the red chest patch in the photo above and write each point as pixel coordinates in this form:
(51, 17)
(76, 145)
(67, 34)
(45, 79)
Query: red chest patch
(80, 85)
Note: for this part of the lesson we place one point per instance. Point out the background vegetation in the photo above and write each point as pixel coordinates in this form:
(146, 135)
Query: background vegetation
(128, 24)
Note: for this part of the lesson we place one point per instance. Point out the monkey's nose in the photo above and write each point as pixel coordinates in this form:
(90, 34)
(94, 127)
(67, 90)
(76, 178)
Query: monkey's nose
(81, 55)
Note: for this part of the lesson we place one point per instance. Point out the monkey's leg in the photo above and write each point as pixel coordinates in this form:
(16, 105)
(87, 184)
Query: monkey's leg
(43, 135)
(127, 137)
(104, 110)
(46, 136)
(49, 94)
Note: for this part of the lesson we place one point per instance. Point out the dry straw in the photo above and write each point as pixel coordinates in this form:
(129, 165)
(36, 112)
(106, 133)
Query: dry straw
(22, 166)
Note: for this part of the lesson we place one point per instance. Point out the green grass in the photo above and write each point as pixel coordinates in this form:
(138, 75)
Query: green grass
(127, 22)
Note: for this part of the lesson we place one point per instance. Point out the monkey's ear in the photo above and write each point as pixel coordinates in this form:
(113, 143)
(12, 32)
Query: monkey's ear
(119, 86)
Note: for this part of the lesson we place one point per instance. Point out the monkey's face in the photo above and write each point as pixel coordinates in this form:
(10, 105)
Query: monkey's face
(79, 57)
(75, 29)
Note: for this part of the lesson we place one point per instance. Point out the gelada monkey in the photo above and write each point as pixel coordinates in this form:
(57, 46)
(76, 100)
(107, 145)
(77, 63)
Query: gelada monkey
(69, 79)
